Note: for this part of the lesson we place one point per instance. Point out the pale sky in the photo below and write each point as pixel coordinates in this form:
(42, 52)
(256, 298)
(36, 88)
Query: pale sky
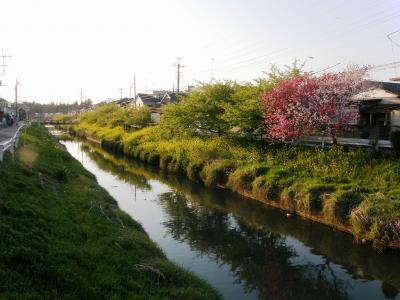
(59, 47)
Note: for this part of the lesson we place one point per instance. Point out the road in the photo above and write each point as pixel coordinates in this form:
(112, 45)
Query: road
(7, 133)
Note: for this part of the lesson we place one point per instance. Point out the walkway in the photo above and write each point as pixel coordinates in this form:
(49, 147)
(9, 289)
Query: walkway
(7, 133)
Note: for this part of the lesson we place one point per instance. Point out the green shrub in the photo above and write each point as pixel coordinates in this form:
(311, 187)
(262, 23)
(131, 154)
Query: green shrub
(176, 166)
(217, 172)
(378, 218)
(292, 196)
(165, 161)
(194, 169)
(62, 174)
(395, 140)
(315, 196)
(153, 159)
(260, 188)
(340, 205)
(243, 177)
(136, 153)
(144, 155)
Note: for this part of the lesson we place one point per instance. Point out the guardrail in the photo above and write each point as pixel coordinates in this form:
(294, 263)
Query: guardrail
(10, 144)
(350, 142)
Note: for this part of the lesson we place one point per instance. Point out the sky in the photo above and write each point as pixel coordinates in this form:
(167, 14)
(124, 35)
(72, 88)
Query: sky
(60, 47)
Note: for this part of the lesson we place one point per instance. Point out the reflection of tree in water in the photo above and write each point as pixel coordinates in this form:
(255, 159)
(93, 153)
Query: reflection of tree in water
(260, 260)
(211, 231)
(117, 167)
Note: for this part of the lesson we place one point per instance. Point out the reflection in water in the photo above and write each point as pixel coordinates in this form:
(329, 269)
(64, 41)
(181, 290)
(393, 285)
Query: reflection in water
(247, 249)
(259, 260)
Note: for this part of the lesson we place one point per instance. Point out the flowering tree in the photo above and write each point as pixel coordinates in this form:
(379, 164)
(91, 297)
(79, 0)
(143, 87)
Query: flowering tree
(286, 112)
(304, 104)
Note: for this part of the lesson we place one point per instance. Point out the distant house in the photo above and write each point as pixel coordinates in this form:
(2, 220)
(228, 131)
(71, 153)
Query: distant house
(125, 101)
(4, 104)
(147, 100)
(379, 110)
(5, 110)
(168, 98)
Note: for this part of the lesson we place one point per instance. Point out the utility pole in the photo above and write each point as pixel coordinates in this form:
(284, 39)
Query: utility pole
(81, 96)
(212, 69)
(16, 101)
(179, 66)
(134, 86)
(3, 65)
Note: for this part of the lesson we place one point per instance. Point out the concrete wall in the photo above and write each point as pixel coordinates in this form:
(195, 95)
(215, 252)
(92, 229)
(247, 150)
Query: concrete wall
(395, 118)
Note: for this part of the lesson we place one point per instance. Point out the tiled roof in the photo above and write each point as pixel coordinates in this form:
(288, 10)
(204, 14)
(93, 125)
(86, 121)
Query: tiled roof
(146, 98)
(391, 87)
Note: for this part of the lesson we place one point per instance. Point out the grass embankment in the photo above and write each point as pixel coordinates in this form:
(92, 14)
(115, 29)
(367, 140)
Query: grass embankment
(334, 245)
(63, 236)
(357, 191)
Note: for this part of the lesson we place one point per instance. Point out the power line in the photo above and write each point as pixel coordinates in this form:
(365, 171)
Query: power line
(384, 15)
(327, 68)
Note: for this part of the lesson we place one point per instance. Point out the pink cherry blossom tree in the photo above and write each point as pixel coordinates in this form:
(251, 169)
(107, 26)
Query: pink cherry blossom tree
(307, 104)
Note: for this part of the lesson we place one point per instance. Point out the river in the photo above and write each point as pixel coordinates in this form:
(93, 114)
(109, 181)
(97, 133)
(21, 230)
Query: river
(242, 247)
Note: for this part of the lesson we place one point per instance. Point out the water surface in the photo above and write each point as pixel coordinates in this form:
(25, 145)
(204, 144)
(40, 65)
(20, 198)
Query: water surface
(243, 248)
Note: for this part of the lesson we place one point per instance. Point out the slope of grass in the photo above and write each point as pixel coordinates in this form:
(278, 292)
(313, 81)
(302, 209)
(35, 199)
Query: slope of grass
(332, 186)
(63, 236)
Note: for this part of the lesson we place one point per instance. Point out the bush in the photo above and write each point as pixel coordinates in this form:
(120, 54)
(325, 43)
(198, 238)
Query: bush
(340, 205)
(315, 197)
(194, 169)
(217, 172)
(62, 174)
(395, 139)
(143, 155)
(378, 218)
(243, 177)
(153, 159)
(165, 161)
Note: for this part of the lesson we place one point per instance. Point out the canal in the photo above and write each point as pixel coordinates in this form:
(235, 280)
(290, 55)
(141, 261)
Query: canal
(242, 247)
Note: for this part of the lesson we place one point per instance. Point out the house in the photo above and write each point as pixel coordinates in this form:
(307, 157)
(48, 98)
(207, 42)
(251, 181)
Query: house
(5, 113)
(4, 104)
(168, 98)
(379, 110)
(125, 101)
(147, 100)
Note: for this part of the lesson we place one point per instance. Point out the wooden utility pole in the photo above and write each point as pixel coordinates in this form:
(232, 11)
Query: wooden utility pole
(3, 65)
(179, 66)
(16, 101)
(134, 86)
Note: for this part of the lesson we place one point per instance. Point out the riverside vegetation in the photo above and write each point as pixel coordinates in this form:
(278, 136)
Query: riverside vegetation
(63, 236)
(204, 137)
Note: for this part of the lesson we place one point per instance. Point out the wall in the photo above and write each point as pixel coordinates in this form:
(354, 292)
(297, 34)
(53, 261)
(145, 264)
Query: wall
(395, 118)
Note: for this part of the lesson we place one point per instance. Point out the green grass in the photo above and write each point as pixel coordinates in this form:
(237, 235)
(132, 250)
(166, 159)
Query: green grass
(63, 236)
(326, 185)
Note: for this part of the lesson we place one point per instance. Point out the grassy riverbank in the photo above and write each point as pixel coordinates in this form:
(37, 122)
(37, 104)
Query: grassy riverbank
(63, 236)
(355, 191)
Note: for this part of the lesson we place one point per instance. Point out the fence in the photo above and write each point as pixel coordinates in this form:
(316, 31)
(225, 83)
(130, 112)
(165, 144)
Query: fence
(10, 144)
(349, 142)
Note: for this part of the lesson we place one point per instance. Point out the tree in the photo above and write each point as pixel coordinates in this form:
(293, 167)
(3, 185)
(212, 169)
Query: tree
(286, 110)
(304, 104)
(245, 111)
(225, 106)
(201, 110)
